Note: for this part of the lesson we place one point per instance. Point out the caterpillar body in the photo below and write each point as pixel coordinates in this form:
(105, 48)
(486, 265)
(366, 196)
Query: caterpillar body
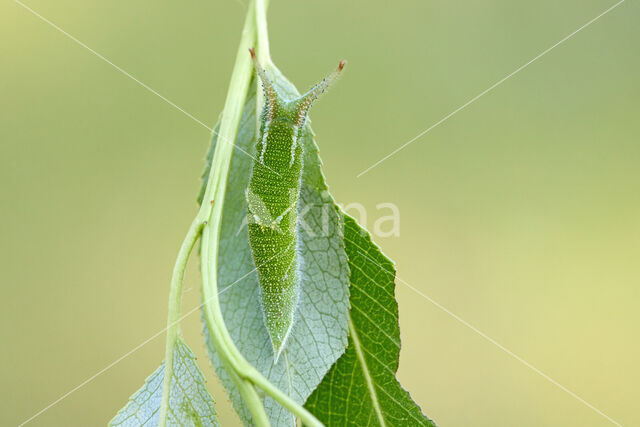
(272, 203)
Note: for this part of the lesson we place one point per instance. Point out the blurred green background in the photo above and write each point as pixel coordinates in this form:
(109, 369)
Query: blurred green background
(520, 214)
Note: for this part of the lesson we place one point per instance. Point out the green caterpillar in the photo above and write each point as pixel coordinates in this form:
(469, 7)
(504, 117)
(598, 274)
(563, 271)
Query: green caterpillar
(272, 203)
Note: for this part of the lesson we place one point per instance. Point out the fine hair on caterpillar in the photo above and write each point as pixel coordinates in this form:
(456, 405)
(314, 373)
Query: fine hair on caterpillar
(273, 197)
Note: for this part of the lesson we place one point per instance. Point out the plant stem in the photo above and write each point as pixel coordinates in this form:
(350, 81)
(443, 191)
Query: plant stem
(295, 408)
(250, 396)
(175, 297)
(207, 225)
(216, 328)
(222, 157)
(216, 188)
(264, 56)
(220, 335)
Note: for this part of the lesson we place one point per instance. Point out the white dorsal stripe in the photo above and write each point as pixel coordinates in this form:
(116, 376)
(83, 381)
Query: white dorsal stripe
(264, 140)
(294, 144)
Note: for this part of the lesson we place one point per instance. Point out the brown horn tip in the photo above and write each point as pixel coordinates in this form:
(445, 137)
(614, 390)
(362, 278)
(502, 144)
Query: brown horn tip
(252, 51)
(341, 65)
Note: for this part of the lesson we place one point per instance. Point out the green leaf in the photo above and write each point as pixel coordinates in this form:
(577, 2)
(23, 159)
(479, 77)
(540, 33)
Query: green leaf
(361, 388)
(190, 403)
(319, 334)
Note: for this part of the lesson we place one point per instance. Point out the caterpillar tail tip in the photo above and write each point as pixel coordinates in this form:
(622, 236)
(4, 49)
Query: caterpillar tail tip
(277, 351)
(279, 346)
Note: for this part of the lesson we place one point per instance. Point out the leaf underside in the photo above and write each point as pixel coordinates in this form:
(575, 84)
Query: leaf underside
(319, 334)
(190, 403)
(360, 385)
(361, 388)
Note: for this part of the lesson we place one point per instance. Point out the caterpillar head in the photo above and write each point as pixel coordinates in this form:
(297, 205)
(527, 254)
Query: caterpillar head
(296, 110)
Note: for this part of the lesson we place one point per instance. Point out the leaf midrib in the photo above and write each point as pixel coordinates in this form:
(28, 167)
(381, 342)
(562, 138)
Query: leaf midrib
(365, 371)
